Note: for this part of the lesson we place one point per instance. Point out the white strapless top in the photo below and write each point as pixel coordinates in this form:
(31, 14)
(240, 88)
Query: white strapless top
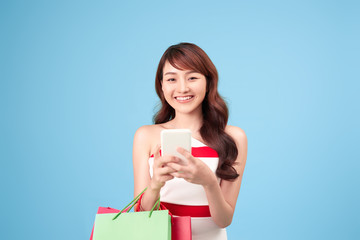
(179, 191)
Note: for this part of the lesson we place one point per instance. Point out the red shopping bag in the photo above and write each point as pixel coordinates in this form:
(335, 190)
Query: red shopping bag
(181, 228)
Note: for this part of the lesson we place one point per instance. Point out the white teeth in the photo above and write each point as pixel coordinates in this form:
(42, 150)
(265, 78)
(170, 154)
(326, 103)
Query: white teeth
(183, 98)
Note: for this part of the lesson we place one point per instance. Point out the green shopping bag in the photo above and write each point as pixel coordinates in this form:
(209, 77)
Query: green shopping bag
(133, 225)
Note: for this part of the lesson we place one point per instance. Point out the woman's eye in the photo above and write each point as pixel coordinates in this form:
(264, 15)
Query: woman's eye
(171, 79)
(192, 78)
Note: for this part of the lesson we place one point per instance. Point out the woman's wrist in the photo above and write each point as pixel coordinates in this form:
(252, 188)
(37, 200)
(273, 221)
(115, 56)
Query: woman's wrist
(212, 182)
(149, 198)
(153, 188)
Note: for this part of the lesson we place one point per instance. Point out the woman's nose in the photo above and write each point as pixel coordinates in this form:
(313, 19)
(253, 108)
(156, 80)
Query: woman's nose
(182, 86)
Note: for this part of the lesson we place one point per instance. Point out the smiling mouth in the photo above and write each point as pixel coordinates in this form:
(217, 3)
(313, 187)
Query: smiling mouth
(184, 98)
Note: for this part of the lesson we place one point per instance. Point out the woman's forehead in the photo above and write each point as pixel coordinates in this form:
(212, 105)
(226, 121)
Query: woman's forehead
(169, 67)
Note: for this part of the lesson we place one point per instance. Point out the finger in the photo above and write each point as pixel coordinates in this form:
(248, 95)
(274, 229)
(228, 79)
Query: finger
(166, 178)
(166, 170)
(177, 167)
(176, 174)
(185, 153)
(179, 174)
(169, 159)
(157, 155)
(157, 151)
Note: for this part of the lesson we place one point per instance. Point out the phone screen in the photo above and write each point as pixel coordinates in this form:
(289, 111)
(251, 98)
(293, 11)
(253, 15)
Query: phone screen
(174, 138)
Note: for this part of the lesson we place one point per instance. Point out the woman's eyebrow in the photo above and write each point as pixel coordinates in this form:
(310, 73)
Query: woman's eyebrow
(187, 72)
(168, 73)
(191, 71)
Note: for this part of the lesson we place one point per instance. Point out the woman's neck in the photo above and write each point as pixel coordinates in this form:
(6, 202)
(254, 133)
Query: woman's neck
(189, 121)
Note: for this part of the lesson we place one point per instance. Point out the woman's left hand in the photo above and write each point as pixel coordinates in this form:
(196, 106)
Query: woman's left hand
(194, 171)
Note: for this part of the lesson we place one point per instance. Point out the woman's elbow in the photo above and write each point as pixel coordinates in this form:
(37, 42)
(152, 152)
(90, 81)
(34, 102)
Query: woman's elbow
(224, 222)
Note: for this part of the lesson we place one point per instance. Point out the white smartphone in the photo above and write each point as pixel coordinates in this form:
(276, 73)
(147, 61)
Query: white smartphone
(174, 138)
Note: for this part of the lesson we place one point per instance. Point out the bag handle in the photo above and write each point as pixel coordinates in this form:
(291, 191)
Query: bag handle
(156, 203)
(161, 206)
(134, 201)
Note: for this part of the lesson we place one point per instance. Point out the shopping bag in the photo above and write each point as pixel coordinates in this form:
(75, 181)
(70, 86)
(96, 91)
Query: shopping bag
(180, 225)
(181, 228)
(103, 210)
(154, 224)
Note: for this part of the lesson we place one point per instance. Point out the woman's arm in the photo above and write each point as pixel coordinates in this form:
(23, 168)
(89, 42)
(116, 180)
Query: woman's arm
(222, 199)
(141, 153)
(222, 206)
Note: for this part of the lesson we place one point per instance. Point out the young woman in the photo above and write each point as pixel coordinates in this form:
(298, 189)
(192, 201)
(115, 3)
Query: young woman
(207, 187)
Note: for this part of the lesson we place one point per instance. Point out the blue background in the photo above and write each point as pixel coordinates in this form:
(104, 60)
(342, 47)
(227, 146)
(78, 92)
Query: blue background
(77, 80)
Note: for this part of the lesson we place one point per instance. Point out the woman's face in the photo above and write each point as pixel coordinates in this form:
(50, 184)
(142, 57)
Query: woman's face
(184, 90)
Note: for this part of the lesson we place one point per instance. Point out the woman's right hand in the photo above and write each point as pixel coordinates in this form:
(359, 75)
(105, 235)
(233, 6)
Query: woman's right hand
(161, 171)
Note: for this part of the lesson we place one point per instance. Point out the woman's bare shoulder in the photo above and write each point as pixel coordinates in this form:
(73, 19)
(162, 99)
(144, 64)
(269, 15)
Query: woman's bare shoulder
(147, 131)
(148, 136)
(240, 139)
(236, 133)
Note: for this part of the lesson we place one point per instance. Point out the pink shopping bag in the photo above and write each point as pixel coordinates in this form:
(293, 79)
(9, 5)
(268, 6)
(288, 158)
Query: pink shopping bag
(181, 228)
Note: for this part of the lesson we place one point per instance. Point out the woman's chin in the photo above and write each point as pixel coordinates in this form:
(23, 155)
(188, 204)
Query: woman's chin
(188, 109)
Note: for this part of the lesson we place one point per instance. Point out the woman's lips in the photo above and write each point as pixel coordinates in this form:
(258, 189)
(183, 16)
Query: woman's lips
(184, 99)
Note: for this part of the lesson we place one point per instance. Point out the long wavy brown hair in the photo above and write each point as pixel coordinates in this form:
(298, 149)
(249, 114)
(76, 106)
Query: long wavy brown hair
(188, 56)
